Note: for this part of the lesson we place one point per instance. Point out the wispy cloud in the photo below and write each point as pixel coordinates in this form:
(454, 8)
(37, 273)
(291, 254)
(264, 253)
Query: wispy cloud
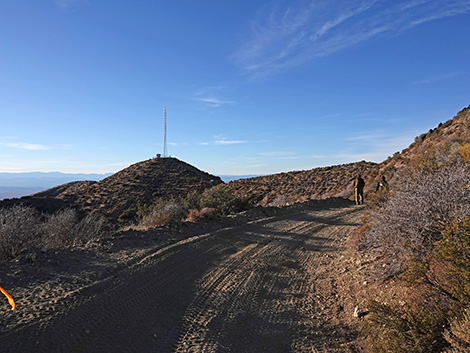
(222, 140)
(439, 78)
(25, 146)
(211, 97)
(214, 101)
(284, 37)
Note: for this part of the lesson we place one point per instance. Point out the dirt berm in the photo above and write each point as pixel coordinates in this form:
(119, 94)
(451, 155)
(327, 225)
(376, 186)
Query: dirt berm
(272, 281)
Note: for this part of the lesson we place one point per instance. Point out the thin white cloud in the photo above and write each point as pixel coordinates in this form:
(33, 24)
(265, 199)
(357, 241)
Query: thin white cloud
(223, 142)
(281, 38)
(25, 146)
(439, 78)
(214, 101)
(210, 96)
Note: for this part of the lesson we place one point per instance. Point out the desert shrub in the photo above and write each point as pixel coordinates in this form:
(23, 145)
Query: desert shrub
(64, 229)
(458, 335)
(192, 200)
(453, 252)
(425, 228)
(206, 213)
(19, 231)
(90, 227)
(126, 216)
(59, 229)
(408, 224)
(161, 213)
(414, 329)
(464, 151)
(223, 201)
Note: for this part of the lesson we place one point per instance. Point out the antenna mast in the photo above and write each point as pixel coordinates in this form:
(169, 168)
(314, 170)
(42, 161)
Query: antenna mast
(164, 133)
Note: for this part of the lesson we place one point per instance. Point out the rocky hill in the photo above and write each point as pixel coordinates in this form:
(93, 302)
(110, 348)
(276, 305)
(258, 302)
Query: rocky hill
(121, 193)
(445, 138)
(320, 183)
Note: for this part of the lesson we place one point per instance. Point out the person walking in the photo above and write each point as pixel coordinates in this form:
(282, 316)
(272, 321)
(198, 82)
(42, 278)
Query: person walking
(382, 184)
(359, 184)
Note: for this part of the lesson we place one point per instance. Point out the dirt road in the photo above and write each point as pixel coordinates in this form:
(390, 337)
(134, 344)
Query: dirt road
(263, 286)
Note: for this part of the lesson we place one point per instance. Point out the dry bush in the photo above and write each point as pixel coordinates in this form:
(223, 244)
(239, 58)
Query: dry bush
(423, 232)
(22, 228)
(64, 229)
(408, 224)
(160, 214)
(206, 213)
(89, 228)
(59, 229)
(19, 231)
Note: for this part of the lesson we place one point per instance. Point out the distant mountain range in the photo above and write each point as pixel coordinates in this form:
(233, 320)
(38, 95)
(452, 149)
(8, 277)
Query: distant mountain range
(22, 184)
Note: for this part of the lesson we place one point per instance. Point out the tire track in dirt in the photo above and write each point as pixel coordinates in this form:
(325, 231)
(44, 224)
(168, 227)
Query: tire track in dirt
(249, 288)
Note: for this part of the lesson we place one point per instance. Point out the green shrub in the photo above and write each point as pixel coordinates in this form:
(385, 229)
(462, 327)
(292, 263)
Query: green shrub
(458, 335)
(414, 329)
(223, 201)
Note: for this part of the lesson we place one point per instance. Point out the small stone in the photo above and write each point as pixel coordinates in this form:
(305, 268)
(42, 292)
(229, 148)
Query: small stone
(364, 283)
(358, 312)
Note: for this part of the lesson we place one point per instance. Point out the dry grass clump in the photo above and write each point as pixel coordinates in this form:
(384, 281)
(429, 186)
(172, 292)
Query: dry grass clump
(23, 229)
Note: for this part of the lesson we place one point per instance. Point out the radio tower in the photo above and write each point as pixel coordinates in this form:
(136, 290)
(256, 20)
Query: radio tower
(164, 133)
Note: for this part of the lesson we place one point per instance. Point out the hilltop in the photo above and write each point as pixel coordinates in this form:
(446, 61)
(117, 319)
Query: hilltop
(121, 193)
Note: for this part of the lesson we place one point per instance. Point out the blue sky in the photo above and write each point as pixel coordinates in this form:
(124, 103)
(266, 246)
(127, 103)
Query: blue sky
(250, 87)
